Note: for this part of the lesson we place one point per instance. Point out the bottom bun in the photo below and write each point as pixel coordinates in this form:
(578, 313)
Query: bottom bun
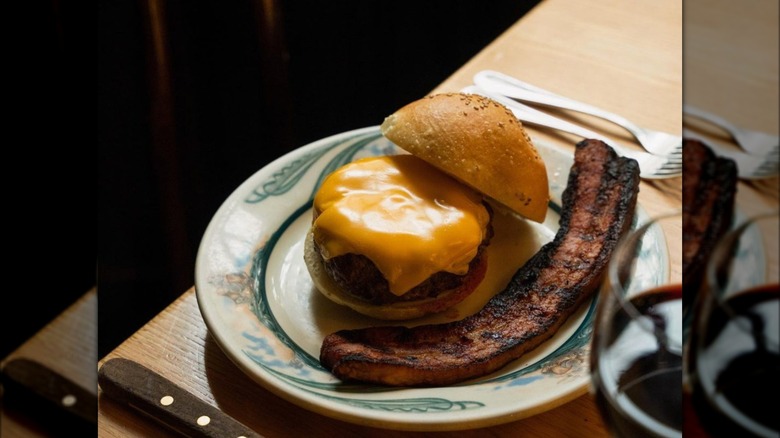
(395, 311)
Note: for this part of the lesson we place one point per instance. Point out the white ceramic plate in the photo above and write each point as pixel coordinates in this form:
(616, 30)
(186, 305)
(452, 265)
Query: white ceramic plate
(258, 302)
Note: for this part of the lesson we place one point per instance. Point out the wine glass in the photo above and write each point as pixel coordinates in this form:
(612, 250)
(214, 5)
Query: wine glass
(636, 354)
(734, 353)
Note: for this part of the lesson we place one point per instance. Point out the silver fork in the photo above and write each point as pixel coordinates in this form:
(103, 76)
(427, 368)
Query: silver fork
(753, 142)
(650, 166)
(748, 166)
(656, 142)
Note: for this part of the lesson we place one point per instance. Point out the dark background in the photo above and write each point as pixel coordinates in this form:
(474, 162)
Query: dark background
(194, 97)
(49, 165)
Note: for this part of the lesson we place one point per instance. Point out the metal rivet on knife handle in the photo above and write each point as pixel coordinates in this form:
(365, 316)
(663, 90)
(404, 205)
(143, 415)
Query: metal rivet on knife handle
(69, 400)
(164, 401)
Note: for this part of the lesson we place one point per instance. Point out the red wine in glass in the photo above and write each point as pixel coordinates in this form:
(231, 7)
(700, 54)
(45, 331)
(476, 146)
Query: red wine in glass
(637, 370)
(734, 364)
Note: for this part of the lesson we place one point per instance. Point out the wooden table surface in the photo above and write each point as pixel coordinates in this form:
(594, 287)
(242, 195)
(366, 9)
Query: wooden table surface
(622, 56)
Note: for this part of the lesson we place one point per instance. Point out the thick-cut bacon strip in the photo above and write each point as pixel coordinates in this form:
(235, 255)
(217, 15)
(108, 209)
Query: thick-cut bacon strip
(598, 206)
(709, 188)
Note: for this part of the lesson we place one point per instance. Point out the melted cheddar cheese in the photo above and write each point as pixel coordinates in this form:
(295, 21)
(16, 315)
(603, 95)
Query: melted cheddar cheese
(409, 218)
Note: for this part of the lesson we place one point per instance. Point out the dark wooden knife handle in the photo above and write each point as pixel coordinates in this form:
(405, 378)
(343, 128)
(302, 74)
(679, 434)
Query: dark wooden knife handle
(162, 400)
(49, 399)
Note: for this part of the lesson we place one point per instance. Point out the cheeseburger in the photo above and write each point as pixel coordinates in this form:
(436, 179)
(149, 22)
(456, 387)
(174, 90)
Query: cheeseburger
(399, 237)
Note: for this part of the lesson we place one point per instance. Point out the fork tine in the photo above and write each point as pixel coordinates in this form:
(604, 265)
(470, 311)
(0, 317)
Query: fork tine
(669, 169)
(662, 175)
(758, 174)
(672, 165)
(768, 166)
(753, 170)
(772, 160)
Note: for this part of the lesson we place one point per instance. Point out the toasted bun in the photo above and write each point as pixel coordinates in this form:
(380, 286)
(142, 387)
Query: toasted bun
(478, 141)
(397, 311)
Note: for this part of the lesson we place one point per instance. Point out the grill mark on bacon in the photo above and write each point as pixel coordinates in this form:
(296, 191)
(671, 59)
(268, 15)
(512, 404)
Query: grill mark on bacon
(598, 206)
